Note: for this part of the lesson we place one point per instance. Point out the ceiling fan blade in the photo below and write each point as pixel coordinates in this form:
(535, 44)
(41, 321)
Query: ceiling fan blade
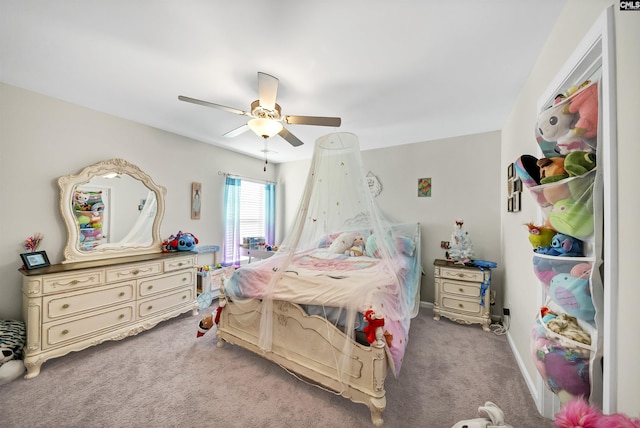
(313, 120)
(267, 90)
(292, 139)
(218, 106)
(235, 132)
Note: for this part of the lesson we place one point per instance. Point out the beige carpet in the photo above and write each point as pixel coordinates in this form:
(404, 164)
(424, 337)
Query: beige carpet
(166, 377)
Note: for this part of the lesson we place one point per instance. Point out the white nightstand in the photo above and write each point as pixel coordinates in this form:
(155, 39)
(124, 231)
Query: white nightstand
(462, 293)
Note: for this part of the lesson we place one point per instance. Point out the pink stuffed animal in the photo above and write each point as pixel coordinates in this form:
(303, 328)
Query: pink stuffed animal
(578, 413)
(585, 104)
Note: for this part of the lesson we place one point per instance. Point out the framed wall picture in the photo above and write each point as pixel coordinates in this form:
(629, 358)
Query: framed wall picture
(196, 203)
(35, 260)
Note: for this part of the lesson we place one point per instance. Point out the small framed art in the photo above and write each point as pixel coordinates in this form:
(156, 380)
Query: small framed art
(35, 260)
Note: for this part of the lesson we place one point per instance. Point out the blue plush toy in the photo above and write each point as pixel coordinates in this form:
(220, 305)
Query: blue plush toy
(180, 242)
(562, 245)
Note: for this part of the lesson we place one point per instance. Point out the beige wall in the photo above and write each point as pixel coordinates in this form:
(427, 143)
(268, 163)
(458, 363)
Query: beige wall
(44, 138)
(464, 172)
(517, 138)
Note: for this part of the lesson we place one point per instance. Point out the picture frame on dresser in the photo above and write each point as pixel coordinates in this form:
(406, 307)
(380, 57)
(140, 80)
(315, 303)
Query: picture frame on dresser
(35, 260)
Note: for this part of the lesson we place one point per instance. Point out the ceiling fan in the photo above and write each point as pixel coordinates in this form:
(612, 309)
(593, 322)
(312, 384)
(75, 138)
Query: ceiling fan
(266, 115)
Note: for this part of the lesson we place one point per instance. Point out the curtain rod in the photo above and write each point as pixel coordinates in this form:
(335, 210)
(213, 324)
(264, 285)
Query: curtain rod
(259, 180)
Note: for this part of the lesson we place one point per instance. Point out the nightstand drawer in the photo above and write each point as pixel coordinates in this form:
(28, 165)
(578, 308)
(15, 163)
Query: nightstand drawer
(461, 288)
(463, 306)
(460, 274)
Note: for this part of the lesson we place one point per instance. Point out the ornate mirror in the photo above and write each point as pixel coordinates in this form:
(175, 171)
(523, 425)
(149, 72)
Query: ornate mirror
(111, 209)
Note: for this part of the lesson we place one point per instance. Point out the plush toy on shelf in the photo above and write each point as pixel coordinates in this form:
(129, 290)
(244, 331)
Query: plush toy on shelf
(540, 236)
(584, 103)
(551, 169)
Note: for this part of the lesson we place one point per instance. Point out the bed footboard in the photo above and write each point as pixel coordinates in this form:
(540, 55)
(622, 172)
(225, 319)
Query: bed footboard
(311, 347)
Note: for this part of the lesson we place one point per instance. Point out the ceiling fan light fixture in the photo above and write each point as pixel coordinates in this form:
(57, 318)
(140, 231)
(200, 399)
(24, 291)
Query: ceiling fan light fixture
(265, 128)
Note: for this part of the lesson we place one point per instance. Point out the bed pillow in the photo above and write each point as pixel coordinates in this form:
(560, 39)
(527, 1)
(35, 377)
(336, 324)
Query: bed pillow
(405, 245)
(342, 243)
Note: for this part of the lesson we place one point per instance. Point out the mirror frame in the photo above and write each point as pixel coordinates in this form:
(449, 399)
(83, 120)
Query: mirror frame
(67, 185)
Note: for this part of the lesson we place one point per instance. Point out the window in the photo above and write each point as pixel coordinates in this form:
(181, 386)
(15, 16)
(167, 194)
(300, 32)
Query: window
(249, 212)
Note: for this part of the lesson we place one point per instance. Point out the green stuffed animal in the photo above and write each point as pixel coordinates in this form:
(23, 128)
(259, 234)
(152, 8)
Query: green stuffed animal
(572, 218)
(579, 162)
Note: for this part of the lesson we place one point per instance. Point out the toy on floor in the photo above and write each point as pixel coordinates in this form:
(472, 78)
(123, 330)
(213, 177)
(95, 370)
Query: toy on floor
(493, 417)
(204, 325)
(12, 341)
(578, 413)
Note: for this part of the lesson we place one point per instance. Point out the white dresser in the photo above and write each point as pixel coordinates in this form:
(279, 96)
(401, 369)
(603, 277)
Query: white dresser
(69, 307)
(462, 293)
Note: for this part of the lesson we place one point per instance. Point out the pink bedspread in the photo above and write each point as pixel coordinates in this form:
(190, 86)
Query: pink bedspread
(333, 280)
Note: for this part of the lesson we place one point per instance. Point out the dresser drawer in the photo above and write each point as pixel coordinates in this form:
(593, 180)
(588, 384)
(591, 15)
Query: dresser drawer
(151, 286)
(462, 306)
(155, 305)
(59, 333)
(77, 280)
(58, 306)
(132, 272)
(179, 263)
(461, 288)
(462, 274)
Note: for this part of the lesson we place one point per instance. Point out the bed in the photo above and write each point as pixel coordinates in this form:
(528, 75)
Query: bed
(311, 311)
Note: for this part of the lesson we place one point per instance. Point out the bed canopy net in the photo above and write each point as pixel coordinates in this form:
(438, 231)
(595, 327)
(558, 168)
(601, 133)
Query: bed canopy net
(341, 257)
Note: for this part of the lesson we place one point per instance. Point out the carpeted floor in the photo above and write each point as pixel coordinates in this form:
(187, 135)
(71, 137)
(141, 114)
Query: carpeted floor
(165, 377)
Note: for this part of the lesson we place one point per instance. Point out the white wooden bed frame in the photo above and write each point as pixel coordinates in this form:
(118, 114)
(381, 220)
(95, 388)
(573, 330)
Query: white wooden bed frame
(311, 347)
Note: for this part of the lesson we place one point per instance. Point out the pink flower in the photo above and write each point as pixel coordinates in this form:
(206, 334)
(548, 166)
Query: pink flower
(32, 242)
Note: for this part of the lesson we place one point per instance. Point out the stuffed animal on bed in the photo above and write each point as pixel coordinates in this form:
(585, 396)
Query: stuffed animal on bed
(357, 248)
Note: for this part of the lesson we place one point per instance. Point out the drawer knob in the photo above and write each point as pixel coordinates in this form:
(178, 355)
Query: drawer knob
(461, 290)
(150, 287)
(135, 272)
(184, 279)
(184, 297)
(121, 294)
(120, 316)
(65, 306)
(149, 307)
(180, 264)
(460, 274)
(74, 282)
(64, 332)
(460, 305)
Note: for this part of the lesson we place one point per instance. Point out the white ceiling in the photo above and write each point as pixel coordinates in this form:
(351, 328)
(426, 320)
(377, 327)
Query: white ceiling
(396, 72)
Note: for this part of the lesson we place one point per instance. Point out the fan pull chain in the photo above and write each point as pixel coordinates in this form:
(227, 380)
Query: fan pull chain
(266, 162)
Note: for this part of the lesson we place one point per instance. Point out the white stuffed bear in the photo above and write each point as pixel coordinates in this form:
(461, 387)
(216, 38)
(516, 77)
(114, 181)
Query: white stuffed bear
(494, 418)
